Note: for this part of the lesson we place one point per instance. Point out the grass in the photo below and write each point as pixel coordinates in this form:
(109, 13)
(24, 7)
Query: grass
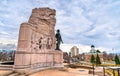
(109, 65)
(107, 71)
(79, 66)
(110, 72)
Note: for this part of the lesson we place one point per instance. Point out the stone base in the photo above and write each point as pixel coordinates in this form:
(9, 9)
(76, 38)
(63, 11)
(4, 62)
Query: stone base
(30, 62)
(33, 70)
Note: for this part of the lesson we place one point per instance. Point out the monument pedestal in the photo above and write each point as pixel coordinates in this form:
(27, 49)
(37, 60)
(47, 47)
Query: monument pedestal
(31, 62)
(58, 58)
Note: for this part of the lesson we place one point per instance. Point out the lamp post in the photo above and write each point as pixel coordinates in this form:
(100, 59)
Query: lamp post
(113, 72)
(113, 57)
(93, 69)
(103, 70)
(118, 71)
(103, 66)
(69, 57)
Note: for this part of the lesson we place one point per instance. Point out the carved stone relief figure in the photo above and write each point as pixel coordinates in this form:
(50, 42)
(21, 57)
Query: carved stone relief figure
(49, 43)
(36, 42)
(40, 42)
(43, 42)
(32, 41)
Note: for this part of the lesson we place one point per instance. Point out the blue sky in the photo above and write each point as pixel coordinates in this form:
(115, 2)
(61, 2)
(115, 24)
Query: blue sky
(83, 22)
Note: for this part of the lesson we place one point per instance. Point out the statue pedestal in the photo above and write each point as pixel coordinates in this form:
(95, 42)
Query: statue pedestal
(31, 62)
(58, 58)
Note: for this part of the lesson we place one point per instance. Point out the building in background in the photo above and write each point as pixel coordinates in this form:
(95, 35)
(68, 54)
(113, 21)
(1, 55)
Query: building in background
(7, 55)
(92, 49)
(74, 51)
(66, 57)
(94, 52)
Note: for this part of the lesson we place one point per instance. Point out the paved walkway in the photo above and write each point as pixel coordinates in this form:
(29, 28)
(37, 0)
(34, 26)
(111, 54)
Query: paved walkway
(68, 72)
(3, 72)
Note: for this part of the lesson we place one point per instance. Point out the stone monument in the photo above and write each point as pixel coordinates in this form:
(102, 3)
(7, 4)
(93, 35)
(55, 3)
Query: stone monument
(37, 43)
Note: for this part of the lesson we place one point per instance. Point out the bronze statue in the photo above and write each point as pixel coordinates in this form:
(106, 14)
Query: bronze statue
(58, 40)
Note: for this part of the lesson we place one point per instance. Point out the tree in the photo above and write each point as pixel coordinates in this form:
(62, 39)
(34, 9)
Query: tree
(98, 62)
(111, 56)
(117, 61)
(92, 60)
(105, 55)
(98, 51)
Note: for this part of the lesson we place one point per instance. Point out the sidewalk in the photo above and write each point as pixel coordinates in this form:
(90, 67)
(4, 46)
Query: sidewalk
(68, 72)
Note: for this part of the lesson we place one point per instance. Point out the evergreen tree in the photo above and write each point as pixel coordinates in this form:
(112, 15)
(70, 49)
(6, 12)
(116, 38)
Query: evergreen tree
(117, 61)
(92, 60)
(98, 62)
(98, 51)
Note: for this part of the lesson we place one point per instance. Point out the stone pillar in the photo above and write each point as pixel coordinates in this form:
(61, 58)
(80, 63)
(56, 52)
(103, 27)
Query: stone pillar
(22, 55)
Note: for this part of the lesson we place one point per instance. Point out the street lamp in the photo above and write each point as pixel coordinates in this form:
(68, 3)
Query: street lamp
(103, 70)
(93, 69)
(103, 66)
(69, 57)
(118, 71)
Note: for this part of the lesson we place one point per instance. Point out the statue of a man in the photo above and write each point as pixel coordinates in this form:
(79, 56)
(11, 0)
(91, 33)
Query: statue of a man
(58, 40)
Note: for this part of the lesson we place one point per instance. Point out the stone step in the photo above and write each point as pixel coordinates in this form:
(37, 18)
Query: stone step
(6, 67)
(9, 66)
(22, 75)
(14, 74)
(6, 73)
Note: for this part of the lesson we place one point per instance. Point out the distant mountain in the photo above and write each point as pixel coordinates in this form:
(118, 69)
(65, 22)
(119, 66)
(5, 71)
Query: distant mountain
(6, 50)
(7, 47)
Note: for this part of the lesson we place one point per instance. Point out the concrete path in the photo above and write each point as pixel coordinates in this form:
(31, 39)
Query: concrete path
(5, 72)
(68, 72)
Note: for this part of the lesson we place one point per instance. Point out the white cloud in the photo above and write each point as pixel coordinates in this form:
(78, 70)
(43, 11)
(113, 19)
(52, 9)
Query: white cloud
(8, 41)
(1, 24)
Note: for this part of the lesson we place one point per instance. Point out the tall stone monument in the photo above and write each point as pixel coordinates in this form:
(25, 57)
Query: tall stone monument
(36, 43)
